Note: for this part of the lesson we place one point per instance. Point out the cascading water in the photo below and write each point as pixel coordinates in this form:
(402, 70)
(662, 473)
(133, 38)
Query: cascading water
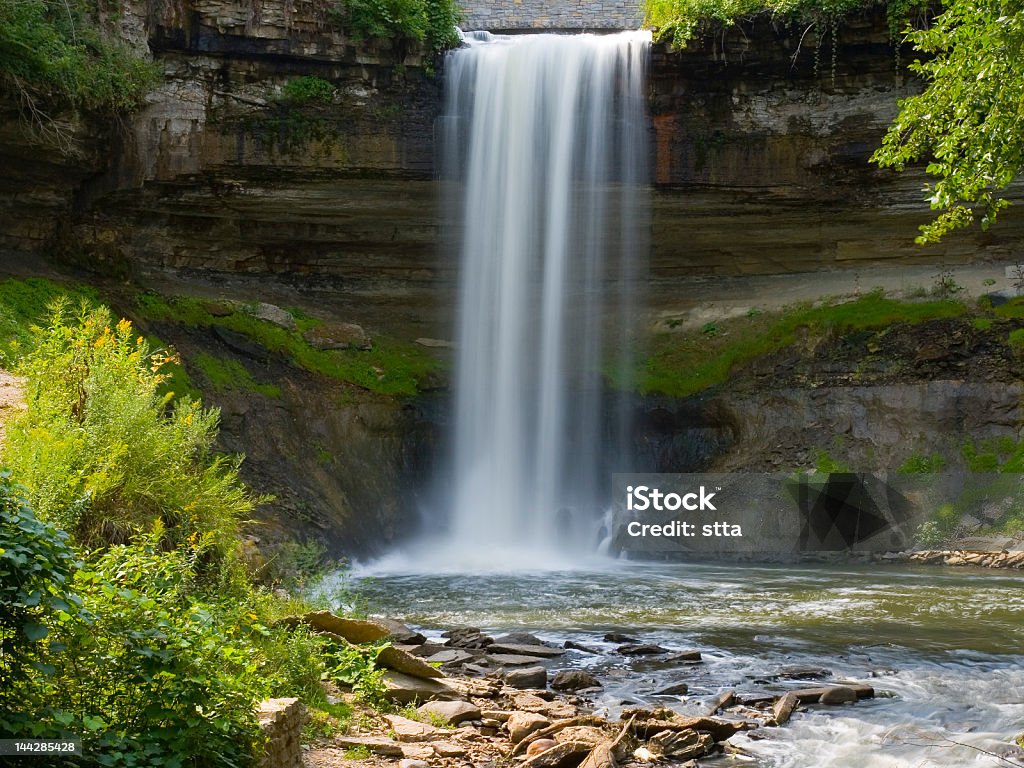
(545, 142)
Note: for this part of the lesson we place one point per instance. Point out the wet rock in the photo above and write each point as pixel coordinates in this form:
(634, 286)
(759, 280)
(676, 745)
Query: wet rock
(676, 689)
(838, 694)
(240, 344)
(522, 724)
(511, 660)
(574, 680)
(391, 657)
(574, 646)
(406, 689)
(720, 701)
(519, 638)
(685, 656)
(525, 649)
(618, 637)
(528, 677)
(400, 634)
(784, 707)
(640, 649)
(338, 336)
(720, 730)
(450, 712)
(812, 695)
(803, 672)
(410, 731)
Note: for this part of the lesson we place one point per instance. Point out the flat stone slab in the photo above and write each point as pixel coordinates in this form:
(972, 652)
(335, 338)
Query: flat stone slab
(522, 649)
(394, 658)
(813, 695)
(354, 630)
(405, 688)
(379, 745)
(511, 659)
(450, 656)
(411, 731)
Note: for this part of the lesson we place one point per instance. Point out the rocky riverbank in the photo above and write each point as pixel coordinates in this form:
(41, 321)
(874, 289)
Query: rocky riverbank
(470, 697)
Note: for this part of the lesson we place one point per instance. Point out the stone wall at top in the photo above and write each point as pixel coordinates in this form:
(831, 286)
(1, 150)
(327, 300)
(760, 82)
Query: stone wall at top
(551, 15)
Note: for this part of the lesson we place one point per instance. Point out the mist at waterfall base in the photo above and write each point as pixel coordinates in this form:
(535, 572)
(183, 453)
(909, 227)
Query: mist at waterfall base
(544, 148)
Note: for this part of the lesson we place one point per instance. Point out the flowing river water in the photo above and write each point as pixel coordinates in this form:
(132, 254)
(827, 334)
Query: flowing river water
(944, 648)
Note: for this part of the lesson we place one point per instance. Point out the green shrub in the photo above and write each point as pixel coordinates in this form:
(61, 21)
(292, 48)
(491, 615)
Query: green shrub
(36, 565)
(302, 90)
(99, 452)
(55, 55)
(429, 21)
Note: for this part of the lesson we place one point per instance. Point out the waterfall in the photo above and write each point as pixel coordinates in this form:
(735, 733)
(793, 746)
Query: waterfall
(545, 145)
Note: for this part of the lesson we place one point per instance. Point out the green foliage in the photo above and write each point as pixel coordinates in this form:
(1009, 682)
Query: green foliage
(922, 465)
(390, 368)
(23, 304)
(36, 565)
(225, 374)
(100, 454)
(353, 666)
(967, 124)
(682, 364)
(1016, 340)
(678, 21)
(999, 454)
(982, 323)
(930, 534)
(305, 89)
(429, 21)
(827, 464)
(296, 565)
(55, 53)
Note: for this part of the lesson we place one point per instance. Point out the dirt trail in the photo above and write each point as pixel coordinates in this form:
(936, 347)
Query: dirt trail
(12, 399)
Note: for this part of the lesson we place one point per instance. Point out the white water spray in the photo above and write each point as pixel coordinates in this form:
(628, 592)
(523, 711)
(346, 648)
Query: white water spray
(545, 138)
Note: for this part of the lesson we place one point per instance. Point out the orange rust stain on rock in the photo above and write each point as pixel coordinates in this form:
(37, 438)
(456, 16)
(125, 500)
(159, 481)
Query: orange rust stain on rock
(665, 127)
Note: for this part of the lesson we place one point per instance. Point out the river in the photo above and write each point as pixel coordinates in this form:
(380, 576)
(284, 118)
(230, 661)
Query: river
(944, 648)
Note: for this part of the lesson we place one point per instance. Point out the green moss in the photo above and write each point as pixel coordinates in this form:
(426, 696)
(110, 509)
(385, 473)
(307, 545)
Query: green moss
(23, 304)
(390, 368)
(922, 465)
(225, 374)
(1013, 309)
(1016, 340)
(684, 363)
(982, 323)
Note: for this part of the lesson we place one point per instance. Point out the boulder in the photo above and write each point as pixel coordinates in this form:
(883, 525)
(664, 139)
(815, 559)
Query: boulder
(338, 336)
(522, 724)
(519, 638)
(450, 712)
(838, 694)
(448, 749)
(802, 672)
(574, 680)
(400, 634)
(681, 745)
(409, 763)
(394, 658)
(406, 689)
(640, 649)
(574, 646)
(528, 677)
(618, 637)
(811, 695)
(567, 754)
(721, 701)
(274, 314)
(685, 656)
(676, 689)
(354, 630)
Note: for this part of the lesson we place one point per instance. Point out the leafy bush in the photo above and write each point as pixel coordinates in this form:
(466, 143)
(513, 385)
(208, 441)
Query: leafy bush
(55, 54)
(99, 452)
(678, 20)
(36, 565)
(302, 90)
(429, 21)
